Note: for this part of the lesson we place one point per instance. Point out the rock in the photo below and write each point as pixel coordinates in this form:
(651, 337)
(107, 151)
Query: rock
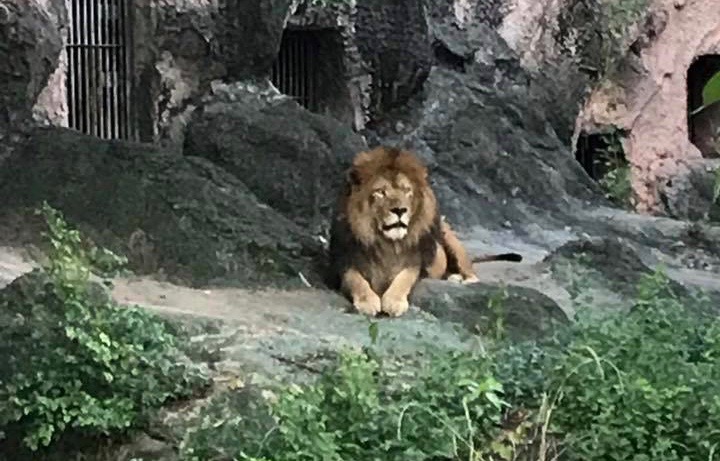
(250, 35)
(292, 159)
(394, 42)
(618, 263)
(495, 154)
(523, 312)
(183, 215)
(689, 194)
(32, 42)
(612, 264)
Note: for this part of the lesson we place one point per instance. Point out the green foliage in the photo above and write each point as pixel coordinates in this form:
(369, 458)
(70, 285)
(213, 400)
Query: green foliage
(640, 385)
(75, 361)
(711, 90)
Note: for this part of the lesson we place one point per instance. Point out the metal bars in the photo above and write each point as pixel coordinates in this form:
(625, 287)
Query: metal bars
(294, 72)
(98, 84)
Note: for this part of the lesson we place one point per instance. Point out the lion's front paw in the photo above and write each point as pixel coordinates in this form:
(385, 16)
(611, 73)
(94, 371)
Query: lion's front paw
(471, 279)
(369, 304)
(455, 278)
(395, 306)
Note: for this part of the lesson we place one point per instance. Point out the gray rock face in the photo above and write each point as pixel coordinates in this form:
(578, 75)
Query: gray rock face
(394, 41)
(250, 35)
(182, 214)
(32, 42)
(291, 158)
(521, 313)
(690, 195)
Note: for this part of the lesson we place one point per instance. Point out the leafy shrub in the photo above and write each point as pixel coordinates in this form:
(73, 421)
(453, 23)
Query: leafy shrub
(73, 359)
(642, 385)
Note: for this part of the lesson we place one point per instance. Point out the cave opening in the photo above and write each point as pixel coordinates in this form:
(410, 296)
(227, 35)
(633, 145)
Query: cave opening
(703, 122)
(598, 153)
(310, 68)
(99, 67)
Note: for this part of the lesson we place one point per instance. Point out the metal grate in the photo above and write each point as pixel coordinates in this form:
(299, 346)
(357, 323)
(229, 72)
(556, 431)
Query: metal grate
(294, 72)
(98, 82)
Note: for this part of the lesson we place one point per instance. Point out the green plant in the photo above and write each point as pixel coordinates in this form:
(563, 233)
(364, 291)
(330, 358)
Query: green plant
(74, 360)
(640, 385)
(359, 409)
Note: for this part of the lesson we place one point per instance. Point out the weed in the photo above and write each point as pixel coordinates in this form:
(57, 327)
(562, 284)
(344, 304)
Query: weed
(73, 359)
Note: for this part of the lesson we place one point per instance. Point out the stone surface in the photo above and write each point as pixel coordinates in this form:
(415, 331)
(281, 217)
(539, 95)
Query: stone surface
(181, 214)
(394, 42)
(292, 159)
(519, 312)
(494, 157)
(690, 192)
(649, 98)
(31, 49)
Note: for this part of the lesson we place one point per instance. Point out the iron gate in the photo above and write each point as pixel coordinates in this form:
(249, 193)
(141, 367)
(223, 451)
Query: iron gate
(98, 83)
(294, 72)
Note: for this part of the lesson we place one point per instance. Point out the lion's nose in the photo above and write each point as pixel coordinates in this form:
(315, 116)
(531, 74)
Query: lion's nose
(399, 211)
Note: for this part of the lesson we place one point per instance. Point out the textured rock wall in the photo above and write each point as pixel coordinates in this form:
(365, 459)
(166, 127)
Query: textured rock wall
(32, 41)
(649, 99)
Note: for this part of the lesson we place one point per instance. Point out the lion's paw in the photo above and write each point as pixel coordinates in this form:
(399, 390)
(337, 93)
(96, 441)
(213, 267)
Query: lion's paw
(395, 306)
(455, 278)
(471, 279)
(368, 305)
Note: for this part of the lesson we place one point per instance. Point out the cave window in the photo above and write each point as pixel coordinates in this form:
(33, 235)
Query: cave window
(598, 153)
(703, 126)
(98, 79)
(309, 68)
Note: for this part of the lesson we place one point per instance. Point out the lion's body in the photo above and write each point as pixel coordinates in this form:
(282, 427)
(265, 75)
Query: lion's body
(387, 233)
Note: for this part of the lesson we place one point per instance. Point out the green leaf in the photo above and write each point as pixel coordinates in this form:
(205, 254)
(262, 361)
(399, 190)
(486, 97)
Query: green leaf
(711, 91)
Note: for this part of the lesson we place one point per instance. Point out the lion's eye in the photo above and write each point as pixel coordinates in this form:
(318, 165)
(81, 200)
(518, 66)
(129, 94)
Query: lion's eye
(379, 193)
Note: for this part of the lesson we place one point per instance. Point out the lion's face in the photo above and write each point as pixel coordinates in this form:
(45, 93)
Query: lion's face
(392, 206)
(389, 197)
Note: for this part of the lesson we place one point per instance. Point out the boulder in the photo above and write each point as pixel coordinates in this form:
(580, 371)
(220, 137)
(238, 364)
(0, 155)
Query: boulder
(183, 215)
(493, 154)
(292, 159)
(32, 42)
(521, 313)
(689, 194)
(394, 42)
(250, 34)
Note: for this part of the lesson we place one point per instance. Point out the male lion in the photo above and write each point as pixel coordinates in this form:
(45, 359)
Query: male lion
(387, 234)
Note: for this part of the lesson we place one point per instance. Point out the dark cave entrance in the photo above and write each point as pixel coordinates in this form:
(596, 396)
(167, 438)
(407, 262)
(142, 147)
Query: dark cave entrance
(602, 156)
(99, 67)
(703, 126)
(597, 154)
(310, 68)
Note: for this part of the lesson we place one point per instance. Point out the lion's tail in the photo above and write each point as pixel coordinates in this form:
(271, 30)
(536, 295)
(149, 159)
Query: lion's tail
(514, 257)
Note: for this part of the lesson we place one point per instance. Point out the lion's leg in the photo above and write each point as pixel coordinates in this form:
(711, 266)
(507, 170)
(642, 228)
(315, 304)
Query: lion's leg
(365, 300)
(456, 250)
(395, 299)
(438, 267)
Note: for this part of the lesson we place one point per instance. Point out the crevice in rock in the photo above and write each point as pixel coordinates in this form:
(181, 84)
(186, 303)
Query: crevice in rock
(446, 58)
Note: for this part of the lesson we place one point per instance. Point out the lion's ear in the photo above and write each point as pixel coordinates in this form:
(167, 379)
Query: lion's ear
(353, 177)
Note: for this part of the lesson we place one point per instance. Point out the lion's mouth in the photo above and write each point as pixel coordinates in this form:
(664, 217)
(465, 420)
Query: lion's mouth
(397, 225)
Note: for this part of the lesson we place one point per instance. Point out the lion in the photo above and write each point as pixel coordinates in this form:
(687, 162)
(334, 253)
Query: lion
(387, 234)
